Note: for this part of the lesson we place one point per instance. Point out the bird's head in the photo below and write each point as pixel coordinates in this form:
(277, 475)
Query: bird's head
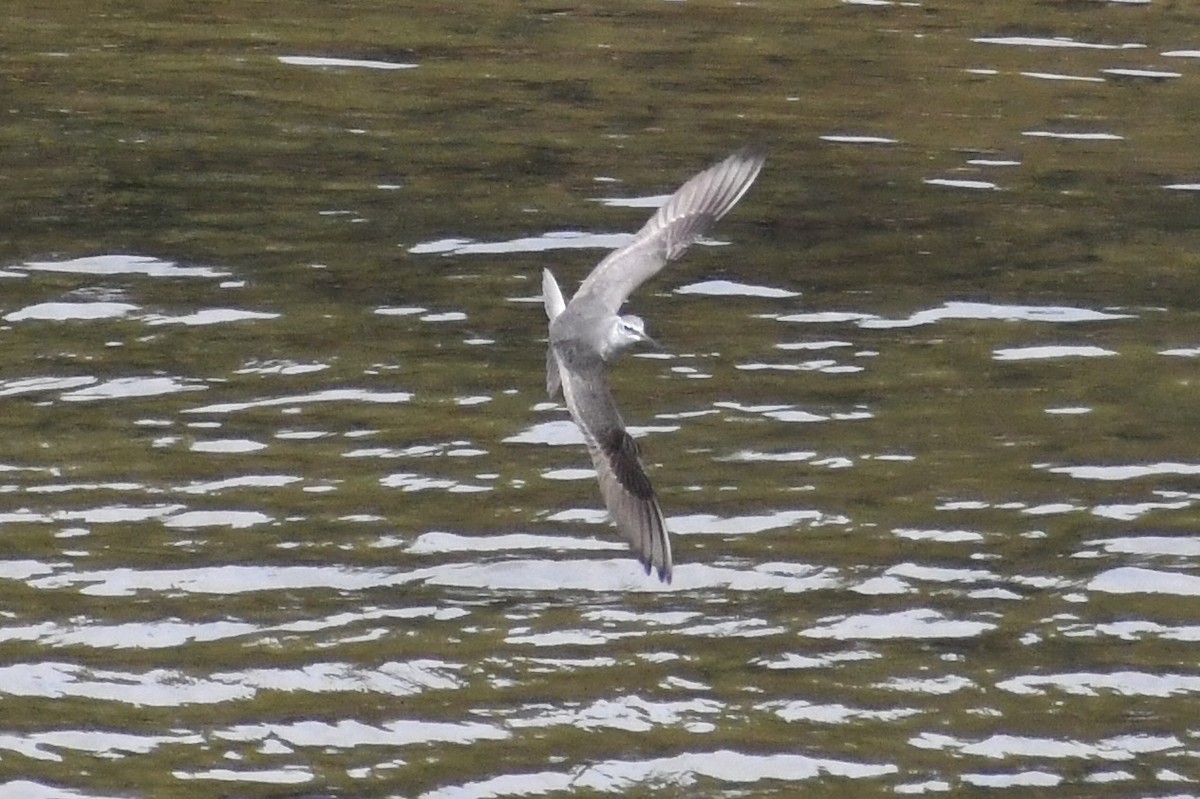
(625, 332)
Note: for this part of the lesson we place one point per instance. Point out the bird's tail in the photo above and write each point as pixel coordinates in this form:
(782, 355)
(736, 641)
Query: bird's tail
(552, 296)
(553, 299)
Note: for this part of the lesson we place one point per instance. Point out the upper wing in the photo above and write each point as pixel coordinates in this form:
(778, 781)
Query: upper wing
(552, 298)
(682, 219)
(623, 481)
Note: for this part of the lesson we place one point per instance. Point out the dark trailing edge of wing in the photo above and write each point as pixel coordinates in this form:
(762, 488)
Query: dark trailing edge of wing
(622, 452)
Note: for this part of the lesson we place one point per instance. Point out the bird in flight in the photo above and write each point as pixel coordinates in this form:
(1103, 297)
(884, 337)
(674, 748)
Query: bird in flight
(588, 333)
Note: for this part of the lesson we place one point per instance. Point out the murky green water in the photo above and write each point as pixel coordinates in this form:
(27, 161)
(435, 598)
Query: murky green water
(284, 511)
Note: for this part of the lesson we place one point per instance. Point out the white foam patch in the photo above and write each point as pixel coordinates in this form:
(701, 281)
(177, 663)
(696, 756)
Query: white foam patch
(28, 385)
(410, 482)
(569, 474)
(629, 713)
(437, 543)
(328, 395)
(228, 446)
(223, 580)
(1130, 471)
(1138, 580)
(280, 367)
(730, 288)
(405, 310)
(1121, 683)
(1072, 135)
(351, 734)
(288, 775)
(838, 138)
(121, 265)
(622, 574)
(951, 311)
(132, 387)
(210, 316)
(1154, 74)
(1049, 352)
(1021, 779)
(993, 162)
(708, 524)
(919, 623)
(683, 771)
(556, 240)
(70, 311)
(171, 688)
(1120, 747)
(565, 432)
(345, 63)
(955, 183)
(237, 519)
(96, 743)
(942, 536)
(1061, 76)
(753, 456)
(790, 660)
(1182, 546)
(1058, 41)
(803, 710)
(813, 345)
(1130, 512)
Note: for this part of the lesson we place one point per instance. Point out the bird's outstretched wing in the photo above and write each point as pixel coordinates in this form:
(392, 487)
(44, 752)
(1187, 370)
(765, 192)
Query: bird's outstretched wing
(624, 484)
(682, 219)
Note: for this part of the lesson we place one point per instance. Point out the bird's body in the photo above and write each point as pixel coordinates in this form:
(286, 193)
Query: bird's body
(587, 333)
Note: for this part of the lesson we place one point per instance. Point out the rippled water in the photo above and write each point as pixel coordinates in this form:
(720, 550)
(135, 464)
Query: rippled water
(285, 511)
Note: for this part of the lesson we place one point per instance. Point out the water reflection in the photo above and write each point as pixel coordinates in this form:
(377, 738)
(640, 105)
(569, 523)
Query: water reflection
(957, 310)
(353, 63)
(120, 264)
(1057, 42)
(619, 776)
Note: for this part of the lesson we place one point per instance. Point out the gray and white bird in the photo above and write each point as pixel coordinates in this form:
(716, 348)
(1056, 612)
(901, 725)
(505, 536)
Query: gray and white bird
(588, 333)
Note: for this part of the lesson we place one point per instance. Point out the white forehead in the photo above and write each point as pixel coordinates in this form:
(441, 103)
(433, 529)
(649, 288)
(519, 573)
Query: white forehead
(635, 322)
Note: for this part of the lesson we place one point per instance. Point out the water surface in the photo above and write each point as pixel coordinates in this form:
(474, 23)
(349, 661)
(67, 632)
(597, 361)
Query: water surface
(285, 511)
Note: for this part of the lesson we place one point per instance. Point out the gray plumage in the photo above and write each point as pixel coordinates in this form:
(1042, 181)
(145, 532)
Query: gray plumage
(587, 333)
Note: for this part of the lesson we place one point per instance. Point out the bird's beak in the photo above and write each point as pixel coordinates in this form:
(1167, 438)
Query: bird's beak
(652, 344)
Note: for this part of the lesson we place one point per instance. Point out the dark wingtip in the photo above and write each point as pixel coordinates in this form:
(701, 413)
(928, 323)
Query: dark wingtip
(664, 571)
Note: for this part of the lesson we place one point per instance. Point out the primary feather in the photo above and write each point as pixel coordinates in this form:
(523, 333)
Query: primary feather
(684, 217)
